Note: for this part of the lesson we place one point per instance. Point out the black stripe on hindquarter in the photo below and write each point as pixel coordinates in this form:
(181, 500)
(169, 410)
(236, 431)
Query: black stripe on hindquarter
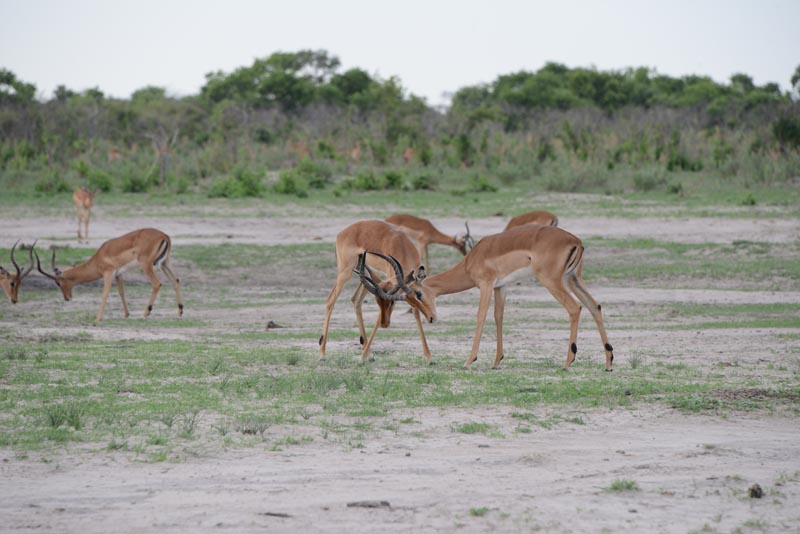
(165, 245)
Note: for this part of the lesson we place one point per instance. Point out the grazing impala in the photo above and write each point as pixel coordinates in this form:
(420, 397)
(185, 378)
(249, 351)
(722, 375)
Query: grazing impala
(553, 255)
(84, 200)
(533, 217)
(10, 282)
(423, 232)
(369, 248)
(148, 246)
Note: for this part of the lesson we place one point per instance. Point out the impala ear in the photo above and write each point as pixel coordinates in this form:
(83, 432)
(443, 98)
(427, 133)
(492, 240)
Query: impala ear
(421, 274)
(3, 272)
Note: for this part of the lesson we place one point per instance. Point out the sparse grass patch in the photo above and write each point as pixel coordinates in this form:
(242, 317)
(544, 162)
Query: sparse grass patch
(472, 428)
(478, 512)
(621, 485)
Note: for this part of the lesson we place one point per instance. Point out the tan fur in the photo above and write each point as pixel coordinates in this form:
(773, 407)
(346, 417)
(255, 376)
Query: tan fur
(11, 281)
(533, 217)
(423, 233)
(551, 254)
(147, 247)
(83, 199)
(388, 239)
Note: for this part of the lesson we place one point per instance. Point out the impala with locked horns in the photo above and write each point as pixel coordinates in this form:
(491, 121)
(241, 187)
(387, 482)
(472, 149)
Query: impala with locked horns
(11, 281)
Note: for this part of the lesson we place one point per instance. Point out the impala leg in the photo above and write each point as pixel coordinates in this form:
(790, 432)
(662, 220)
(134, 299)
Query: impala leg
(499, 308)
(107, 279)
(166, 268)
(358, 302)
(425, 350)
(575, 283)
(86, 225)
(121, 291)
(79, 226)
(155, 282)
(368, 345)
(483, 308)
(341, 279)
(560, 293)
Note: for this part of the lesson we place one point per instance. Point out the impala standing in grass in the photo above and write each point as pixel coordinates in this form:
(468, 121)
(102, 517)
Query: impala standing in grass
(148, 247)
(369, 248)
(551, 254)
(423, 233)
(83, 198)
(533, 217)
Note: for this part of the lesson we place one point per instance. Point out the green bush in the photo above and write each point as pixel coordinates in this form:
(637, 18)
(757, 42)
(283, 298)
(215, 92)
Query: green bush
(424, 182)
(786, 131)
(243, 183)
(316, 175)
(393, 180)
(290, 183)
(136, 184)
(364, 181)
(53, 183)
(100, 180)
(481, 184)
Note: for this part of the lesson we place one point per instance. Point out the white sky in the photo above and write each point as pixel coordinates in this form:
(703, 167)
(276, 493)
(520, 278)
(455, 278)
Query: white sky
(433, 46)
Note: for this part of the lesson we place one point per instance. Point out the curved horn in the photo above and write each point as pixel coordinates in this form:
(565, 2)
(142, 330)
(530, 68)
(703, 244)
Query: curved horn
(373, 286)
(30, 267)
(469, 241)
(39, 266)
(19, 271)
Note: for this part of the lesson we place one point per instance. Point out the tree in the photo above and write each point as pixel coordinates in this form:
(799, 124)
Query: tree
(13, 90)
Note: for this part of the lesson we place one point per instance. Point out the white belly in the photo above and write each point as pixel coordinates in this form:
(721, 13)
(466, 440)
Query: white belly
(523, 273)
(125, 268)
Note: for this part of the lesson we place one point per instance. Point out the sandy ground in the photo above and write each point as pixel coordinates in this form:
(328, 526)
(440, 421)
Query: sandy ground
(693, 471)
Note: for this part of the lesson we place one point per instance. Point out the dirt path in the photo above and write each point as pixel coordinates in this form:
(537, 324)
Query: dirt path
(293, 230)
(691, 472)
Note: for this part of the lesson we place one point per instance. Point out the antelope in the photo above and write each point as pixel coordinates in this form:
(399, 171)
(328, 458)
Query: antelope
(408, 155)
(114, 155)
(423, 233)
(551, 254)
(83, 199)
(355, 152)
(11, 282)
(533, 217)
(368, 248)
(148, 246)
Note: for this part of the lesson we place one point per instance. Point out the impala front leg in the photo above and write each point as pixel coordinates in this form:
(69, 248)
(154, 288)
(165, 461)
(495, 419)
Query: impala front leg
(121, 291)
(499, 308)
(483, 308)
(107, 278)
(425, 350)
(368, 345)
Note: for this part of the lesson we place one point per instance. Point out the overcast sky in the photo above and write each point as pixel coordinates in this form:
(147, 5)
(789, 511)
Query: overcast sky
(433, 46)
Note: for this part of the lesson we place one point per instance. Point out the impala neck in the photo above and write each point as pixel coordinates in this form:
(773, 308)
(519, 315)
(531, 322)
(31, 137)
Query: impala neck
(454, 280)
(81, 274)
(442, 239)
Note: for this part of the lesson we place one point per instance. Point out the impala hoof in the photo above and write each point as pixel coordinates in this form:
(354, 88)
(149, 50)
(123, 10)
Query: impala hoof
(609, 370)
(431, 363)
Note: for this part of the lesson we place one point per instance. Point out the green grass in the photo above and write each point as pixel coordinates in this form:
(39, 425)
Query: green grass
(621, 485)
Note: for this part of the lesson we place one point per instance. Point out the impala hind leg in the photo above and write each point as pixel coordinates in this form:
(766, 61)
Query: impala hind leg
(560, 293)
(499, 309)
(483, 308)
(575, 283)
(166, 268)
(155, 282)
(121, 291)
(358, 303)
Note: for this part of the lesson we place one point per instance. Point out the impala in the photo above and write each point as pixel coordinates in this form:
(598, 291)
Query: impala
(369, 248)
(423, 232)
(551, 254)
(533, 217)
(10, 282)
(148, 246)
(83, 199)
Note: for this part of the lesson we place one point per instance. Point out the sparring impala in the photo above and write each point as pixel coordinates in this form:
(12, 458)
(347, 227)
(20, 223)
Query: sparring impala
(11, 281)
(370, 249)
(148, 247)
(551, 254)
(423, 233)
(83, 198)
(533, 217)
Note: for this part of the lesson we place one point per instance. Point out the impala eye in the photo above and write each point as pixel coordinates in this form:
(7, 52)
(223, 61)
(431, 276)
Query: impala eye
(13, 284)
(419, 295)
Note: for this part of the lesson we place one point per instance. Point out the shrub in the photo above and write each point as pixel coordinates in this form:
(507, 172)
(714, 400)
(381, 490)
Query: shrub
(424, 181)
(786, 131)
(393, 180)
(290, 183)
(53, 183)
(243, 183)
(100, 180)
(136, 184)
(364, 181)
(481, 184)
(316, 175)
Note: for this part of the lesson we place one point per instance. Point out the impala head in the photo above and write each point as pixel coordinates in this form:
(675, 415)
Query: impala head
(57, 276)
(10, 281)
(407, 289)
(464, 242)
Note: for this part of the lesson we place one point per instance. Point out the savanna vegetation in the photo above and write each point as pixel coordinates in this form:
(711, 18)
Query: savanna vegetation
(297, 124)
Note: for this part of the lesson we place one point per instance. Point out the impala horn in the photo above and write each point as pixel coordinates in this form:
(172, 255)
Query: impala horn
(22, 274)
(372, 286)
(55, 269)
